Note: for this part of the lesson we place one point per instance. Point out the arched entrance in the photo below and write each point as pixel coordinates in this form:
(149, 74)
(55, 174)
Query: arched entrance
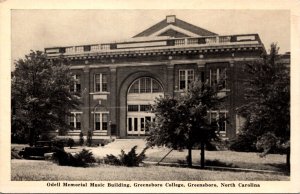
(140, 95)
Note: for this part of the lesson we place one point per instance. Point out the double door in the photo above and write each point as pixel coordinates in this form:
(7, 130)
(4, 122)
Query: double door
(138, 123)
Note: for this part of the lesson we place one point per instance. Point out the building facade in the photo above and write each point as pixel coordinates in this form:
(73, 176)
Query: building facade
(119, 81)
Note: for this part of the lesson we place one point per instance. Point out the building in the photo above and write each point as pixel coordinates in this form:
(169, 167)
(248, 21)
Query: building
(119, 80)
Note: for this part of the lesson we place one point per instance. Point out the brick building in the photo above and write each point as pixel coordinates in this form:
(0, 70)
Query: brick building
(119, 80)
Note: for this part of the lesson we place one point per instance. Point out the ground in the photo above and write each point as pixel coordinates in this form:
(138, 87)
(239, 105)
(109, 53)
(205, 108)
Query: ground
(272, 165)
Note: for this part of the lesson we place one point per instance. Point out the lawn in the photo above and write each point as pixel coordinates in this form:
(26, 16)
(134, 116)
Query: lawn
(36, 170)
(271, 162)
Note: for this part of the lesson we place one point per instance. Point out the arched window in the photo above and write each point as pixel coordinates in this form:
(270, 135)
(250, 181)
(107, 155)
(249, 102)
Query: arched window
(145, 85)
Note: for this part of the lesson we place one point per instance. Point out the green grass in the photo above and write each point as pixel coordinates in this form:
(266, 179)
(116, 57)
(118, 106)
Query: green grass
(28, 170)
(273, 162)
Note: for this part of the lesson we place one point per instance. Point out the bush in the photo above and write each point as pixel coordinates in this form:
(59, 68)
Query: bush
(130, 159)
(70, 142)
(81, 140)
(243, 143)
(89, 140)
(81, 159)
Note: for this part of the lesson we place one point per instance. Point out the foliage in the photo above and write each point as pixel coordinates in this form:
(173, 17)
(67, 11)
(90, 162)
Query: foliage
(81, 159)
(183, 122)
(243, 143)
(70, 142)
(81, 140)
(267, 110)
(40, 96)
(130, 159)
(89, 138)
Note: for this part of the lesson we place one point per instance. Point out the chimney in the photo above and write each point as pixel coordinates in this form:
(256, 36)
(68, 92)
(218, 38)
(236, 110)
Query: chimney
(171, 19)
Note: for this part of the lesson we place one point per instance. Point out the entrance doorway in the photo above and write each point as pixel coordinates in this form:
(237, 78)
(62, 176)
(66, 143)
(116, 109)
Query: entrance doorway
(141, 95)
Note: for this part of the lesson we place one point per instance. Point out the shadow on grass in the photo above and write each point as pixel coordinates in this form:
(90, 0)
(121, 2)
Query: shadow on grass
(281, 168)
(217, 163)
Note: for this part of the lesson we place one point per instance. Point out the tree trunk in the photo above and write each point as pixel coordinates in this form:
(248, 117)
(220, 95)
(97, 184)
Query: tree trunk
(202, 158)
(189, 158)
(31, 137)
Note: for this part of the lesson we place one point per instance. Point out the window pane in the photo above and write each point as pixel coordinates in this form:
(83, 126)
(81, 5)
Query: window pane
(148, 85)
(142, 124)
(104, 83)
(148, 120)
(156, 86)
(97, 117)
(129, 124)
(133, 108)
(135, 124)
(142, 85)
(97, 82)
(134, 87)
(145, 107)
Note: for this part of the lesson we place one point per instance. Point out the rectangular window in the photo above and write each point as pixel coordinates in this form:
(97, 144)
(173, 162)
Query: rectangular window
(97, 121)
(218, 78)
(145, 108)
(186, 77)
(142, 124)
(75, 120)
(104, 122)
(135, 127)
(133, 108)
(129, 124)
(76, 86)
(100, 82)
(148, 120)
(218, 118)
(101, 121)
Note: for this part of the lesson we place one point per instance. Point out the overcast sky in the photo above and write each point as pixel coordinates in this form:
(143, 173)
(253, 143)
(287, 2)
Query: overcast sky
(37, 29)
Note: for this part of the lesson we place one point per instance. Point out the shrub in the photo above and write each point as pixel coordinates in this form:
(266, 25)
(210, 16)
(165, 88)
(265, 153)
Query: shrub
(70, 142)
(130, 159)
(81, 159)
(89, 138)
(81, 140)
(84, 158)
(243, 143)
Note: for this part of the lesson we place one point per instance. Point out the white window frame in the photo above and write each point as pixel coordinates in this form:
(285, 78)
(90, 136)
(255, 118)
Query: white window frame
(101, 119)
(185, 78)
(101, 82)
(218, 76)
(139, 84)
(75, 123)
(75, 77)
(218, 115)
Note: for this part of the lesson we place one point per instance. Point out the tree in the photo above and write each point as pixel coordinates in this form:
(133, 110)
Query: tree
(267, 111)
(183, 122)
(41, 96)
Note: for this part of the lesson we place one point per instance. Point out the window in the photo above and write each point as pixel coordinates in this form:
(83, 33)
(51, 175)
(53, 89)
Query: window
(148, 120)
(75, 120)
(145, 85)
(101, 121)
(186, 77)
(142, 124)
(133, 108)
(145, 108)
(100, 83)
(218, 118)
(76, 87)
(218, 78)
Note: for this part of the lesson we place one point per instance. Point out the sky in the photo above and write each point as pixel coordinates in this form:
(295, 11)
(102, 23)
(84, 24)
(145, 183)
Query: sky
(37, 29)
